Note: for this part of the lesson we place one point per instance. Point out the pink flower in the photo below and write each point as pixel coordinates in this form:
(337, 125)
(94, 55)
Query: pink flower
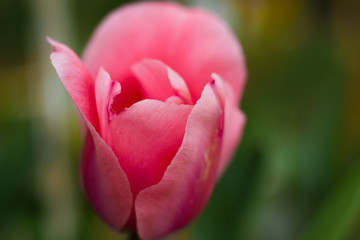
(158, 91)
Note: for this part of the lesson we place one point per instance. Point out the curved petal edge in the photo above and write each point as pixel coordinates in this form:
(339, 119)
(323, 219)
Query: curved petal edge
(76, 79)
(188, 181)
(234, 122)
(104, 182)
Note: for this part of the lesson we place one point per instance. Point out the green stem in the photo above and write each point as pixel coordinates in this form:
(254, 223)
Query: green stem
(133, 236)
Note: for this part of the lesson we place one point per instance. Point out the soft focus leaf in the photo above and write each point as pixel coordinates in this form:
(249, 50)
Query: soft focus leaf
(339, 211)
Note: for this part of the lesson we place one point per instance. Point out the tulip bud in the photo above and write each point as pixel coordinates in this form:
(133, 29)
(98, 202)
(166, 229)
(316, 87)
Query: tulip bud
(158, 90)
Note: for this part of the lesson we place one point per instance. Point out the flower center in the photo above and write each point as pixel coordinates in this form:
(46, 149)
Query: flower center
(130, 94)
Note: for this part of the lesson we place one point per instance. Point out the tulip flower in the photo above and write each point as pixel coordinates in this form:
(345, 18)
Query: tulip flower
(158, 92)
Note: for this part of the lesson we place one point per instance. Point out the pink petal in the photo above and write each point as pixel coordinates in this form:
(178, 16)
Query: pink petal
(130, 34)
(192, 42)
(208, 45)
(76, 79)
(234, 121)
(104, 182)
(160, 82)
(189, 179)
(145, 139)
(105, 91)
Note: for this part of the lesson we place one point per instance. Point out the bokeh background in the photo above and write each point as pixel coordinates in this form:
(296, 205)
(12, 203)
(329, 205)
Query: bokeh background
(296, 174)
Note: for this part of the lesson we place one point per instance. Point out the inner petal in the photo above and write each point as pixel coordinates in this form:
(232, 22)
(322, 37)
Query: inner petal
(159, 81)
(145, 139)
(130, 94)
(143, 119)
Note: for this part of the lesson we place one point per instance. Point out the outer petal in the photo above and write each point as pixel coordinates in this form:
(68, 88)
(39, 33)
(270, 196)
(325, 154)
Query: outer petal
(76, 79)
(189, 179)
(192, 42)
(208, 45)
(234, 121)
(104, 182)
(158, 81)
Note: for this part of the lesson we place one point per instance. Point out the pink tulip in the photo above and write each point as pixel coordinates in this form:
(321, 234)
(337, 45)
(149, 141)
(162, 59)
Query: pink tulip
(158, 90)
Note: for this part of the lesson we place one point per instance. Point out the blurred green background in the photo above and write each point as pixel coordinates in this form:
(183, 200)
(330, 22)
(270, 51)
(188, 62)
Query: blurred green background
(296, 174)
